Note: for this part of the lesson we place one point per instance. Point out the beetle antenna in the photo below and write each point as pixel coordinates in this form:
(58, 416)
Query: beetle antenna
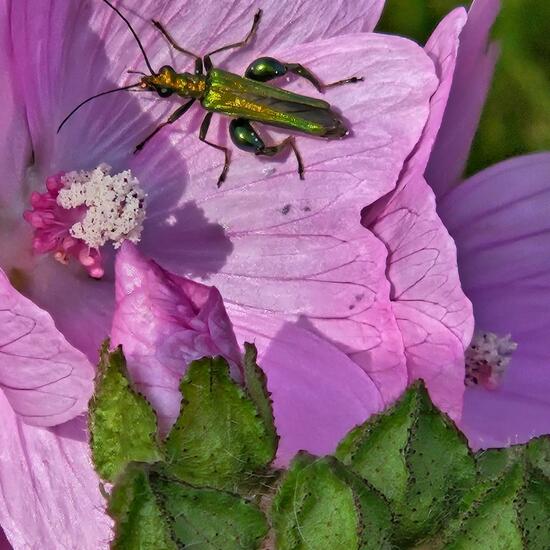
(136, 72)
(94, 97)
(135, 35)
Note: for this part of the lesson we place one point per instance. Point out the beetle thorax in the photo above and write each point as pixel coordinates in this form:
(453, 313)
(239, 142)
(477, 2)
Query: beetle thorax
(190, 85)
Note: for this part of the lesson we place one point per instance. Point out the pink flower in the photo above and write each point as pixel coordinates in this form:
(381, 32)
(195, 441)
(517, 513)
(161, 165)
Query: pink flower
(292, 253)
(433, 314)
(300, 277)
(499, 221)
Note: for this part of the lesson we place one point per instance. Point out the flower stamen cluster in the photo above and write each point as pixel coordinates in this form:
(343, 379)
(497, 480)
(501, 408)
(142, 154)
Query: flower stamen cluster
(487, 359)
(81, 211)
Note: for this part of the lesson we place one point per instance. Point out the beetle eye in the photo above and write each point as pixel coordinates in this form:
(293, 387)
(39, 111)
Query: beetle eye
(164, 92)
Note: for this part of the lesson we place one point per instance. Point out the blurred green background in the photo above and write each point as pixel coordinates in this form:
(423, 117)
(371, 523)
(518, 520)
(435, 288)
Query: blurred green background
(516, 118)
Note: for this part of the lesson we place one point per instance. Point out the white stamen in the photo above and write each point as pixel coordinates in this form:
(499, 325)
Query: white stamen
(487, 358)
(115, 206)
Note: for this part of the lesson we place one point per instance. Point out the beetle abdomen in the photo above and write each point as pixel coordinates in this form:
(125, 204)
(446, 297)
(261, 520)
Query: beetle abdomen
(236, 96)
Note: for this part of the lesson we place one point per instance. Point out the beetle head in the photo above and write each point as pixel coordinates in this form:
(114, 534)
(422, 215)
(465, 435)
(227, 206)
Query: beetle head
(163, 82)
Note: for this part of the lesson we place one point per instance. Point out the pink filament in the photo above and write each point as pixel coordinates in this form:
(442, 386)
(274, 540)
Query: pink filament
(52, 224)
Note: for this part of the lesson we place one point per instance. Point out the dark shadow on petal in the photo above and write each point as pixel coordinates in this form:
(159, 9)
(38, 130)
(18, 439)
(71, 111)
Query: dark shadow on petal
(4, 544)
(305, 323)
(318, 393)
(76, 429)
(185, 242)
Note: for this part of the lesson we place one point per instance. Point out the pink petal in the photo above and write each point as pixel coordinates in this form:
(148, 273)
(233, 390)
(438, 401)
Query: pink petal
(295, 249)
(45, 379)
(81, 307)
(46, 55)
(49, 492)
(163, 323)
(333, 285)
(433, 314)
(318, 393)
(474, 71)
(442, 47)
(15, 152)
(386, 114)
(499, 220)
(15, 157)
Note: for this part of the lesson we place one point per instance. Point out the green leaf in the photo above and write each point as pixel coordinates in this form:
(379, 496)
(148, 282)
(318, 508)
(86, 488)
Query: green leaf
(219, 439)
(375, 521)
(415, 456)
(314, 509)
(535, 511)
(493, 463)
(491, 521)
(538, 452)
(256, 385)
(376, 449)
(320, 505)
(122, 424)
(207, 519)
(139, 522)
(509, 507)
(535, 514)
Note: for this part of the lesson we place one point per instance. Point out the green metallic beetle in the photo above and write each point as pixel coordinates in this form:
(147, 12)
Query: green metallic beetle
(245, 99)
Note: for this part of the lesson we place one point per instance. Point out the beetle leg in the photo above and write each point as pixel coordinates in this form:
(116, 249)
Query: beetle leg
(179, 112)
(245, 137)
(205, 125)
(176, 46)
(265, 68)
(268, 68)
(244, 42)
(304, 72)
(276, 149)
